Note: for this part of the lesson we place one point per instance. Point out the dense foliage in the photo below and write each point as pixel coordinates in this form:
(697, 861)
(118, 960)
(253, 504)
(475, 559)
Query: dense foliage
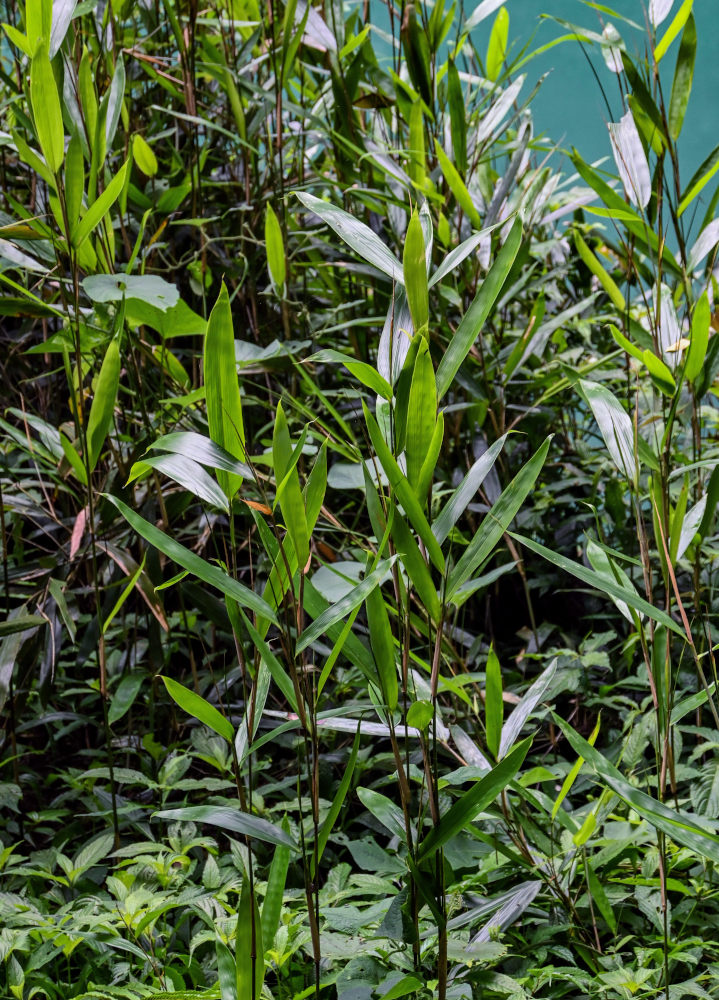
(357, 492)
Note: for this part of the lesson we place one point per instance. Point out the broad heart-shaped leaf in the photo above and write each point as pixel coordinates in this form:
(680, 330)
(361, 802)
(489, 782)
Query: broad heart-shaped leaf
(345, 605)
(202, 450)
(602, 583)
(465, 492)
(195, 564)
(497, 521)
(224, 406)
(145, 287)
(472, 802)
(185, 472)
(200, 709)
(678, 826)
(103, 403)
(615, 425)
(231, 820)
(356, 234)
(473, 320)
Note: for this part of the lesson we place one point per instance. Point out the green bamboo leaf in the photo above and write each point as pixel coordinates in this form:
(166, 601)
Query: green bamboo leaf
(415, 566)
(660, 373)
(699, 181)
(46, 110)
(457, 186)
(124, 697)
(74, 181)
(365, 373)
(289, 494)
(466, 491)
(597, 269)
(615, 425)
(683, 77)
(382, 644)
(466, 808)
(222, 390)
(275, 250)
(497, 47)
(403, 490)
(497, 522)
(202, 450)
(338, 801)
(356, 234)
(345, 605)
(100, 207)
(144, 155)
(600, 898)
(417, 159)
(103, 403)
(231, 820)
(421, 415)
(680, 827)
(279, 675)
(272, 904)
(574, 772)
(602, 583)
(316, 488)
(429, 465)
(195, 564)
(187, 473)
(473, 320)
(696, 355)
(249, 953)
(415, 273)
(678, 22)
(21, 624)
(226, 971)
(200, 709)
(493, 703)
(385, 810)
(457, 117)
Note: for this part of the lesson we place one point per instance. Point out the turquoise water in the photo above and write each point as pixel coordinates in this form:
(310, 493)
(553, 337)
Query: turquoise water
(570, 108)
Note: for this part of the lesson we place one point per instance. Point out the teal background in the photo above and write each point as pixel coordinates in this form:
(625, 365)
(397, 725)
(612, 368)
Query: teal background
(569, 107)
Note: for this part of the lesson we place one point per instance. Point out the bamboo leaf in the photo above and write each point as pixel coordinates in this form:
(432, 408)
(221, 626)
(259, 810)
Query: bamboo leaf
(200, 709)
(230, 820)
(249, 952)
(289, 494)
(100, 207)
(415, 273)
(421, 414)
(222, 390)
(46, 110)
(403, 490)
(473, 320)
(272, 904)
(275, 250)
(195, 564)
(382, 644)
(606, 586)
(466, 491)
(683, 77)
(615, 426)
(185, 472)
(457, 186)
(496, 522)
(631, 160)
(678, 22)
(466, 808)
(345, 605)
(525, 707)
(103, 403)
(696, 355)
(457, 117)
(493, 703)
(338, 801)
(680, 827)
(356, 234)
(497, 47)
